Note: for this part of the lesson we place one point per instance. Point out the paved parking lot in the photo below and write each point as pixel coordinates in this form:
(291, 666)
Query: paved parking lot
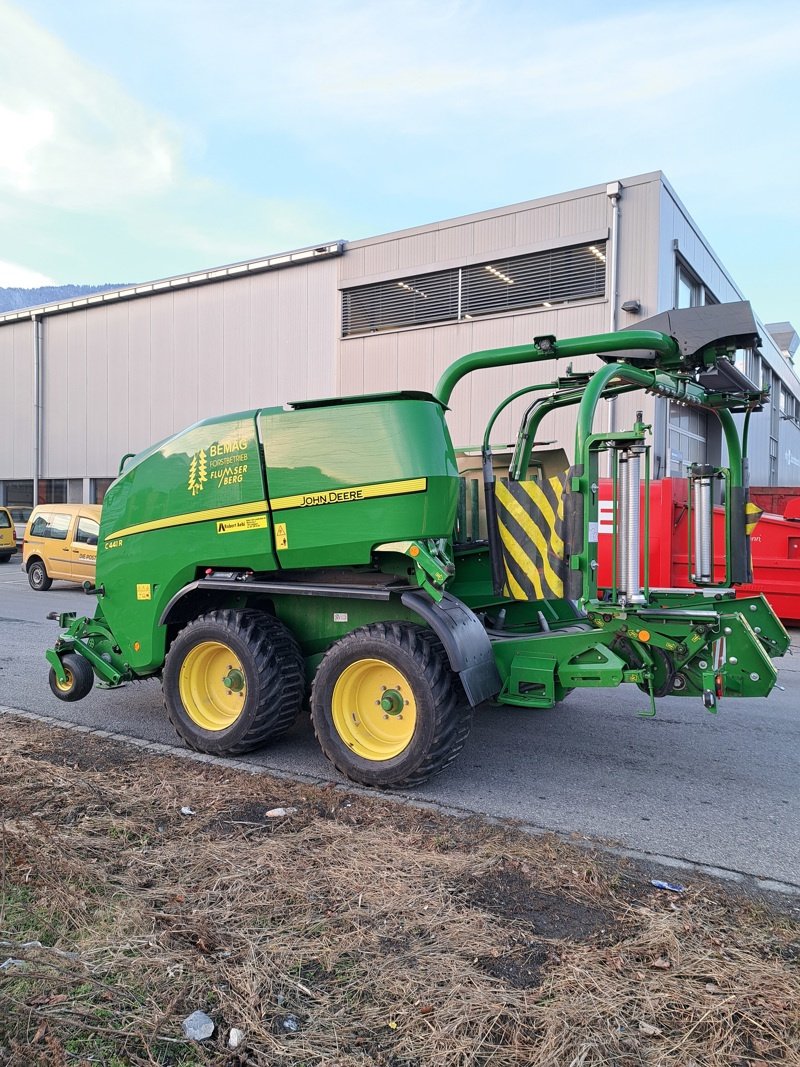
(717, 790)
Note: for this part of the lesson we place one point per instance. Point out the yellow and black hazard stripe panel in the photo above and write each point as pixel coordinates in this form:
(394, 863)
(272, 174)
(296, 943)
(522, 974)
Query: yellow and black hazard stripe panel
(752, 514)
(530, 520)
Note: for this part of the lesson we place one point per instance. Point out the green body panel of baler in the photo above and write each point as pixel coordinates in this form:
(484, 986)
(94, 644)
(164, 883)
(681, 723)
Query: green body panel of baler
(195, 500)
(329, 483)
(347, 476)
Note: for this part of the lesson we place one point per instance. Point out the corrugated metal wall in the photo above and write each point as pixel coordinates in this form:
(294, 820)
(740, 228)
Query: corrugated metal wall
(118, 377)
(414, 358)
(16, 400)
(680, 236)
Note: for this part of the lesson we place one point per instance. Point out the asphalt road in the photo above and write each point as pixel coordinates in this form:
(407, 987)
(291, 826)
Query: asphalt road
(714, 790)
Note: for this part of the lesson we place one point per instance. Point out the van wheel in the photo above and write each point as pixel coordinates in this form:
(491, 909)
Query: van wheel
(233, 680)
(387, 708)
(80, 678)
(37, 576)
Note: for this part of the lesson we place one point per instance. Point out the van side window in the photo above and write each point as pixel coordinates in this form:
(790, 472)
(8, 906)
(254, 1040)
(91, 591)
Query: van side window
(39, 527)
(58, 526)
(5, 521)
(88, 530)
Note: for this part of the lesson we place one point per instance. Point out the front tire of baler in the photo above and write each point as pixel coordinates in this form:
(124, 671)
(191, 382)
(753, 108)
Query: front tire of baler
(233, 681)
(387, 709)
(80, 678)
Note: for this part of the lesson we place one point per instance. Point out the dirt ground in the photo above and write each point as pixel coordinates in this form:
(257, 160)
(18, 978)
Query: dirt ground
(138, 889)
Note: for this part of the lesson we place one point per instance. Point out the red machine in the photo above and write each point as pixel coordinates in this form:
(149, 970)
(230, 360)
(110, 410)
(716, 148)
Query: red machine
(775, 546)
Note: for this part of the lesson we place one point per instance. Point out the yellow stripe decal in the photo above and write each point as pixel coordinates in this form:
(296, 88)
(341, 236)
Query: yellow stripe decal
(346, 495)
(524, 563)
(532, 531)
(752, 514)
(255, 507)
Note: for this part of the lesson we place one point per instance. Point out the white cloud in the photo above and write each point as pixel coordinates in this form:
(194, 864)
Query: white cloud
(410, 68)
(13, 276)
(70, 137)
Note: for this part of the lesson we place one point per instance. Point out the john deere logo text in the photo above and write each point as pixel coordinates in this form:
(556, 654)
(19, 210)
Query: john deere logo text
(198, 472)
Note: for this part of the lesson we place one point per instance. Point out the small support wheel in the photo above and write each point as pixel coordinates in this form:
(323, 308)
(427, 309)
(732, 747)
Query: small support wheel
(664, 670)
(80, 678)
(387, 709)
(233, 680)
(663, 667)
(38, 577)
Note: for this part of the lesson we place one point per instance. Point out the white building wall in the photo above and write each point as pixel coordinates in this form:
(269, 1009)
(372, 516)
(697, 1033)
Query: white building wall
(16, 400)
(415, 357)
(681, 239)
(116, 377)
(121, 374)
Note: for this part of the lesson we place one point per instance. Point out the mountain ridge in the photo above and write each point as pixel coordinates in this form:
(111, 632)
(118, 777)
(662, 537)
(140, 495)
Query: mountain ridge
(17, 298)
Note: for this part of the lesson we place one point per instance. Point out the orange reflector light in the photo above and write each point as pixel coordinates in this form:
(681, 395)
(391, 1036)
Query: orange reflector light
(644, 635)
(136, 646)
(718, 685)
(414, 550)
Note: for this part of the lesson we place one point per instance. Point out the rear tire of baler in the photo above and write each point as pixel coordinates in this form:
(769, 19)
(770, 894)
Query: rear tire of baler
(233, 681)
(80, 678)
(38, 577)
(387, 709)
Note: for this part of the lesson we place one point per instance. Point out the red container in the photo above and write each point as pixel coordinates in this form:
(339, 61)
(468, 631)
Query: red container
(776, 498)
(775, 546)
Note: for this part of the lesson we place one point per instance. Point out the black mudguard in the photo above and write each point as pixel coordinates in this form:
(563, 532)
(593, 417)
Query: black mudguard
(465, 640)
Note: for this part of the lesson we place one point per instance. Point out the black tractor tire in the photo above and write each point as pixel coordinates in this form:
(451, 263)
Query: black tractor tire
(272, 669)
(80, 678)
(38, 578)
(443, 716)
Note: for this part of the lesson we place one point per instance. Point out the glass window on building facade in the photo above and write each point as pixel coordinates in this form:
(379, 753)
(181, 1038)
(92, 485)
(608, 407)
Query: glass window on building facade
(688, 436)
(690, 291)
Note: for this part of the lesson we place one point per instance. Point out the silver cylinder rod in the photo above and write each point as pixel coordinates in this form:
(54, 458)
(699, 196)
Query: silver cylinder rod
(703, 517)
(633, 522)
(620, 522)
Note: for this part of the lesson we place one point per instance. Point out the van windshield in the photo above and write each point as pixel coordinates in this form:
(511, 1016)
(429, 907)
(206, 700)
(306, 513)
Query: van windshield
(5, 521)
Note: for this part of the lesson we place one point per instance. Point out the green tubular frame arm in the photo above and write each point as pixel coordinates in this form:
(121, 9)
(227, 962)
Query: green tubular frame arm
(548, 348)
(655, 350)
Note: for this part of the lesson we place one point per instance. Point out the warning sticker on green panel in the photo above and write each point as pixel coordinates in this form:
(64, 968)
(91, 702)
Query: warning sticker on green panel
(251, 522)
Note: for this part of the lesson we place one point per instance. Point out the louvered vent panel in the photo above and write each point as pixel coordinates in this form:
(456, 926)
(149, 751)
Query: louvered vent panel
(551, 277)
(525, 281)
(387, 305)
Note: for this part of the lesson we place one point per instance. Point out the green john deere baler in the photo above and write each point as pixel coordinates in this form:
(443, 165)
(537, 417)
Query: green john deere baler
(328, 544)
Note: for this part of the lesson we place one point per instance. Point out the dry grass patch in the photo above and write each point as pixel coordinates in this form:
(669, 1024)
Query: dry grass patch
(350, 931)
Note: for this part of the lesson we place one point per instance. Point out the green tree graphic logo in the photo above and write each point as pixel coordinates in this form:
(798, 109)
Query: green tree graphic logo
(198, 472)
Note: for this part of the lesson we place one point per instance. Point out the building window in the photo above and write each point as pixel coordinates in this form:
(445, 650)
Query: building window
(748, 362)
(690, 291)
(688, 433)
(99, 488)
(52, 491)
(539, 279)
(790, 407)
(18, 493)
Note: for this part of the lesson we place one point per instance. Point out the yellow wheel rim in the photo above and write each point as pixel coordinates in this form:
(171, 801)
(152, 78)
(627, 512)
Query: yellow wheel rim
(65, 687)
(212, 686)
(374, 710)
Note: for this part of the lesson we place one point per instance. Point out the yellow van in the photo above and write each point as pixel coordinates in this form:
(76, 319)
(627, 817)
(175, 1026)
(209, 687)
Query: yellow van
(61, 542)
(8, 544)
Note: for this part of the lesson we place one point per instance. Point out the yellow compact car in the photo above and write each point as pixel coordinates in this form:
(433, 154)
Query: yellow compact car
(61, 542)
(8, 544)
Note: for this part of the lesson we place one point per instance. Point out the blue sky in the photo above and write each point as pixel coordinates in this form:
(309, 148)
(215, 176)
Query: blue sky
(146, 139)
